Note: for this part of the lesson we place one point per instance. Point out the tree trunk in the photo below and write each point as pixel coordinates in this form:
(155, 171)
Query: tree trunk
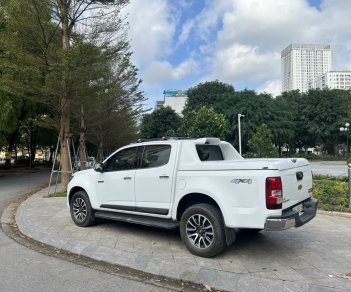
(11, 145)
(64, 143)
(100, 155)
(33, 143)
(82, 150)
(52, 150)
(65, 101)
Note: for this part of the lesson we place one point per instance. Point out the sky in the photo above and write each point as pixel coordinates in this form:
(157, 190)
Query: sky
(178, 44)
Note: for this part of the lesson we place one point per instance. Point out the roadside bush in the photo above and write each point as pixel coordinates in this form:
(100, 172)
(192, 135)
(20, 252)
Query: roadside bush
(349, 159)
(332, 194)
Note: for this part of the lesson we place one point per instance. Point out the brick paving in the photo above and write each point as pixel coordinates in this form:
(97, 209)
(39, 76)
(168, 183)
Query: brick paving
(309, 258)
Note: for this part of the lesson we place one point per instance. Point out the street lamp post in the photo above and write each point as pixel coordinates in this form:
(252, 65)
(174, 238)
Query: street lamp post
(239, 129)
(346, 129)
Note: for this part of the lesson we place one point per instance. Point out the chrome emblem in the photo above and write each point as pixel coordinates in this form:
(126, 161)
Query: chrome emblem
(241, 180)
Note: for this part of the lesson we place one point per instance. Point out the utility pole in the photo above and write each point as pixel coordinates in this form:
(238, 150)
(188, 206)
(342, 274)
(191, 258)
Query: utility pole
(239, 129)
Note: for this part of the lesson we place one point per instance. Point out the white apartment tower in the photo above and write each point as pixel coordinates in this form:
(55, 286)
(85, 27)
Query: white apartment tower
(301, 63)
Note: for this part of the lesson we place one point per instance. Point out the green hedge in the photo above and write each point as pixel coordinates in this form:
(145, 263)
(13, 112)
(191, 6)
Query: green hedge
(332, 194)
(311, 156)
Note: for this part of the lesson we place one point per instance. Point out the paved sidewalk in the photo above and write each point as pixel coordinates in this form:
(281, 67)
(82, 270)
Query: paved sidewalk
(309, 258)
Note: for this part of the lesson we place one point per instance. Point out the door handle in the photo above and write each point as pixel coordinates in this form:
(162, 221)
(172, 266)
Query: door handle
(127, 177)
(164, 176)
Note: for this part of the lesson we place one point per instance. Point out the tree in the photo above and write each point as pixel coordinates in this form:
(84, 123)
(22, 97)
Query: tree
(160, 123)
(49, 59)
(205, 122)
(207, 94)
(257, 108)
(107, 96)
(261, 144)
(69, 14)
(288, 122)
(8, 117)
(15, 112)
(325, 111)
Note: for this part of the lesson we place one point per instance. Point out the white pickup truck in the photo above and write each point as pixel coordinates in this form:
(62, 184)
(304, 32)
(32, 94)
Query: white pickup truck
(202, 186)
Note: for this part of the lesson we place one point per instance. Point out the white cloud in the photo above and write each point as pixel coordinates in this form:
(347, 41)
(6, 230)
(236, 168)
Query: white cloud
(242, 63)
(272, 86)
(210, 16)
(186, 29)
(163, 71)
(239, 41)
(151, 29)
(248, 46)
(268, 23)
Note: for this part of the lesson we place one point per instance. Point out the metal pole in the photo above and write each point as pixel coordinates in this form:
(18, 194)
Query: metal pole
(347, 127)
(53, 164)
(239, 129)
(349, 173)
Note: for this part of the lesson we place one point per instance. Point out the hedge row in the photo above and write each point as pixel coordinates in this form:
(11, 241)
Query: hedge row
(332, 193)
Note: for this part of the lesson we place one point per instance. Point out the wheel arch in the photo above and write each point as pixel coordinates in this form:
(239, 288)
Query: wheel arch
(194, 198)
(73, 191)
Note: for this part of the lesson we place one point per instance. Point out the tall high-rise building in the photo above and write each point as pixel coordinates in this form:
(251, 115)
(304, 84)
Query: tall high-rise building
(301, 63)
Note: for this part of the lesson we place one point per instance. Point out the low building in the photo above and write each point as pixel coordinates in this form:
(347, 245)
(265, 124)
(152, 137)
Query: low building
(333, 80)
(175, 99)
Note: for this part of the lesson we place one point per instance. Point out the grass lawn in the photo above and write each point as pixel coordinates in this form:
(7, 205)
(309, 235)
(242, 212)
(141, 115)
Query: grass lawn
(56, 195)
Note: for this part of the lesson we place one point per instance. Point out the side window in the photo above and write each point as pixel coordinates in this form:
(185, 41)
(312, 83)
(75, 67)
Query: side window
(123, 160)
(155, 155)
(209, 152)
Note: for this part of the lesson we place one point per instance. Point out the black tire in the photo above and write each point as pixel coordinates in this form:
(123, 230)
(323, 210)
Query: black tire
(82, 213)
(206, 219)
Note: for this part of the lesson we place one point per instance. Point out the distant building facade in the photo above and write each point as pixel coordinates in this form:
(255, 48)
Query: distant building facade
(176, 99)
(301, 63)
(332, 80)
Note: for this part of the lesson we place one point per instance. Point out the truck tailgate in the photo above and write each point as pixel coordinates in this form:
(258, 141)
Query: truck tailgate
(297, 185)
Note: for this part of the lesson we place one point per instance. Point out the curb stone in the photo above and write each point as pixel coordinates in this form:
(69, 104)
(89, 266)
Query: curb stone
(143, 261)
(334, 213)
(10, 228)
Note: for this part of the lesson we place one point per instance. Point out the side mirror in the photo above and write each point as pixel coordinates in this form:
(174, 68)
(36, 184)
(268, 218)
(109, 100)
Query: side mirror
(99, 167)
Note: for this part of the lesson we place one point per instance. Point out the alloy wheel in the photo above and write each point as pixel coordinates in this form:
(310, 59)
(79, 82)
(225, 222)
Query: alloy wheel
(79, 209)
(199, 231)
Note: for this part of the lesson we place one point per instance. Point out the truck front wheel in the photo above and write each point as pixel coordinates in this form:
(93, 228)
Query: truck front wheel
(81, 211)
(202, 230)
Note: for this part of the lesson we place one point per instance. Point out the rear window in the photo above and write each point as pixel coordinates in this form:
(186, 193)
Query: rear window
(209, 152)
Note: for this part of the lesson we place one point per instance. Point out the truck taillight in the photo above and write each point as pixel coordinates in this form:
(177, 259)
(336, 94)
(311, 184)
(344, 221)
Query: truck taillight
(274, 193)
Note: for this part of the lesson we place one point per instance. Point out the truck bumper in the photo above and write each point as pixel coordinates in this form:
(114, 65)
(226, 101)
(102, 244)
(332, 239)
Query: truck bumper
(291, 218)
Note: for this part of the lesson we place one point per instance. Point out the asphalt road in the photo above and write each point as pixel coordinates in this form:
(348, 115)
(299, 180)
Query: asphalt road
(333, 168)
(22, 269)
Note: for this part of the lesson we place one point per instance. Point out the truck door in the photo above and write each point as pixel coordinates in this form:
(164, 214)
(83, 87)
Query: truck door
(115, 186)
(154, 180)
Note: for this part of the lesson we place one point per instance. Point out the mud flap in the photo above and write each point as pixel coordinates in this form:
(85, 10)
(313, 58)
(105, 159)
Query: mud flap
(230, 235)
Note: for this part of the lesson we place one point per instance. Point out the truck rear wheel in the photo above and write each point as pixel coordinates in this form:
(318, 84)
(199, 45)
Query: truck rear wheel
(202, 230)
